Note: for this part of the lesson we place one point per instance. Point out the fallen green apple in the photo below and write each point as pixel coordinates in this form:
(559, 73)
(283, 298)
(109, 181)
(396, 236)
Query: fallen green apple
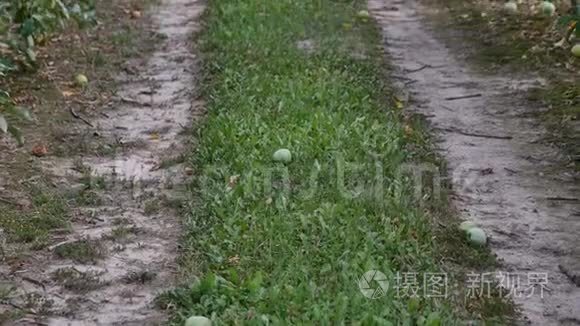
(282, 155)
(466, 225)
(81, 80)
(477, 236)
(548, 8)
(197, 321)
(511, 7)
(576, 50)
(363, 14)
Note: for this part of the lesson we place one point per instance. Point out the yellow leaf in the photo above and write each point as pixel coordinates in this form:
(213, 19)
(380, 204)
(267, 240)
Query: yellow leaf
(68, 93)
(408, 130)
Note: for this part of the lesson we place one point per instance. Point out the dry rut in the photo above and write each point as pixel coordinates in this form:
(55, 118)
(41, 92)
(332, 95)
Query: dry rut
(122, 248)
(504, 178)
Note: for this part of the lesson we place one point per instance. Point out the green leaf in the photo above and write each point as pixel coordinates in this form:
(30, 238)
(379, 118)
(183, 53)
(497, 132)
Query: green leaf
(434, 319)
(16, 133)
(18, 112)
(76, 9)
(4, 96)
(27, 27)
(63, 9)
(3, 124)
(31, 55)
(30, 41)
(6, 66)
(565, 20)
(24, 113)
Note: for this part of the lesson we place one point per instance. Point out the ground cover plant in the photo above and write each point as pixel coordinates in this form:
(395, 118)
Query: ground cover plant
(285, 239)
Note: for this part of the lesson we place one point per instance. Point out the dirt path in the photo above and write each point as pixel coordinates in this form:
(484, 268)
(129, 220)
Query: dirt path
(504, 178)
(122, 248)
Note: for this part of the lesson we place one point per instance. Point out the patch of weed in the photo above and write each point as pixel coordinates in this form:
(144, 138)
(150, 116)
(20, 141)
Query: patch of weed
(169, 162)
(563, 115)
(38, 302)
(140, 277)
(151, 207)
(121, 221)
(122, 232)
(124, 40)
(93, 182)
(80, 282)
(82, 251)
(6, 291)
(48, 211)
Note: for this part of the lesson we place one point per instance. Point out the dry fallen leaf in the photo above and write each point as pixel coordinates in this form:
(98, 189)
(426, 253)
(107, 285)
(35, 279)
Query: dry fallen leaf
(408, 130)
(233, 181)
(234, 260)
(399, 104)
(39, 150)
(68, 93)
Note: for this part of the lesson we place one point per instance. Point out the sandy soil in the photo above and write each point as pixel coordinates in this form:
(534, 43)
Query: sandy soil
(503, 179)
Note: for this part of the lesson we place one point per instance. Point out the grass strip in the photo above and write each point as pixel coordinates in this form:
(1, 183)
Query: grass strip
(287, 243)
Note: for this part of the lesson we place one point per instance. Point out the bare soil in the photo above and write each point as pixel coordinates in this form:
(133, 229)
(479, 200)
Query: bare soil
(503, 43)
(519, 189)
(117, 171)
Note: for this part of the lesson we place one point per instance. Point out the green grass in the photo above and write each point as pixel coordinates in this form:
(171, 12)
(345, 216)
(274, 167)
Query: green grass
(77, 281)
(48, 211)
(285, 253)
(151, 207)
(81, 251)
(121, 233)
(563, 99)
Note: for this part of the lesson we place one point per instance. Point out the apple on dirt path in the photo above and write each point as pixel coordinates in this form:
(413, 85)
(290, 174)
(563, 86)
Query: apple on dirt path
(511, 7)
(81, 80)
(576, 50)
(548, 8)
